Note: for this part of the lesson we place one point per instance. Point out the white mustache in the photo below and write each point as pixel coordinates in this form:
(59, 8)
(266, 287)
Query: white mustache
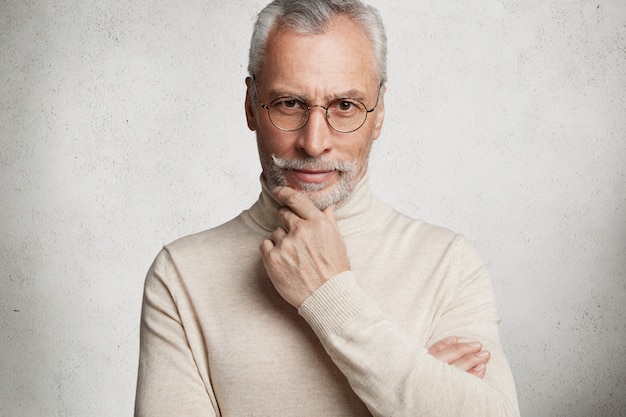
(320, 164)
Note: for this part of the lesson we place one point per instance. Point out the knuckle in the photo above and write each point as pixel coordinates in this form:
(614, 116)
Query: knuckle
(298, 231)
(436, 347)
(293, 198)
(283, 213)
(273, 258)
(460, 347)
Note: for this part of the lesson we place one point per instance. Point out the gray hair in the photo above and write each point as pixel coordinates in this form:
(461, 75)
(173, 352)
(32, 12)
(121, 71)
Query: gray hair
(313, 17)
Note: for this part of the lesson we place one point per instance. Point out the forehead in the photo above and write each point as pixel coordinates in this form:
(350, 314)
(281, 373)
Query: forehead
(341, 57)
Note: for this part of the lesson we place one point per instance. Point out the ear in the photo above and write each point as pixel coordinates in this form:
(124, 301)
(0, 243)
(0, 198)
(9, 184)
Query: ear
(380, 113)
(249, 104)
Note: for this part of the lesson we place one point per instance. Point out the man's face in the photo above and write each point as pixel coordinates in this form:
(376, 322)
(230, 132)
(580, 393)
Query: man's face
(315, 159)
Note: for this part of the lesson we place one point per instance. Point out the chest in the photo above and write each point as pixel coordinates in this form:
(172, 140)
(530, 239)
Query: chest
(263, 357)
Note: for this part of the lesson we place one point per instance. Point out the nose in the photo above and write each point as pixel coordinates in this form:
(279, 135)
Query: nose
(316, 136)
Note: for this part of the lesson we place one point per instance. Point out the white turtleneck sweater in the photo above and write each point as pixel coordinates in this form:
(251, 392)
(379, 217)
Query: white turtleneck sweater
(218, 340)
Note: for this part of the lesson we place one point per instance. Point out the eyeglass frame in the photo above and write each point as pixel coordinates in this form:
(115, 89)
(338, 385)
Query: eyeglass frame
(307, 113)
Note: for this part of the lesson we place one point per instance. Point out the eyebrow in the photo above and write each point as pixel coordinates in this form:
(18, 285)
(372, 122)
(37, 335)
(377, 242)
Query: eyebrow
(276, 93)
(351, 93)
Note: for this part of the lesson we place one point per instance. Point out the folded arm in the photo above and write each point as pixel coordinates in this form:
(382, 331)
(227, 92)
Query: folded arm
(392, 374)
(308, 264)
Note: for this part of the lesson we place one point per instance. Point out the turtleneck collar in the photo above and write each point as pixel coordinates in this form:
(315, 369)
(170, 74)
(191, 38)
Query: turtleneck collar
(359, 213)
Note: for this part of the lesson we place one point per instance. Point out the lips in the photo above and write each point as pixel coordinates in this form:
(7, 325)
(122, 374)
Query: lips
(312, 176)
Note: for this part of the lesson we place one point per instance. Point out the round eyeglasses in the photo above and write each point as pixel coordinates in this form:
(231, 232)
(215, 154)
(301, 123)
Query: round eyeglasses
(344, 115)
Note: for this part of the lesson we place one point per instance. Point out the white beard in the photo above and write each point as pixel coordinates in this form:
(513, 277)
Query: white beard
(322, 195)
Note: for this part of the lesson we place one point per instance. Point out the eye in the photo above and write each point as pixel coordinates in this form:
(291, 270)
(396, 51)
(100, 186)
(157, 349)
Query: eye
(344, 105)
(288, 104)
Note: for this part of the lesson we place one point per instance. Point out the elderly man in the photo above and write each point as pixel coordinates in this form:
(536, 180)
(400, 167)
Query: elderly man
(320, 300)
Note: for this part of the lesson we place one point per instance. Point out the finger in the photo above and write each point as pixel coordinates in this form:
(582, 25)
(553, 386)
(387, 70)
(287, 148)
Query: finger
(479, 370)
(456, 351)
(472, 361)
(442, 344)
(287, 217)
(278, 235)
(266, 246)
(298, 202)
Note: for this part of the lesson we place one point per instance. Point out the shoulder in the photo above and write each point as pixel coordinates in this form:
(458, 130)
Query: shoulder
(419, 230)
(220, 243)
(224, 237)
(431, 239)
(213, 252)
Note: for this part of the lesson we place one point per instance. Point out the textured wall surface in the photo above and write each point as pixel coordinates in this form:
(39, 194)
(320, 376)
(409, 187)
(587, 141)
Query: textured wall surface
(122, 128)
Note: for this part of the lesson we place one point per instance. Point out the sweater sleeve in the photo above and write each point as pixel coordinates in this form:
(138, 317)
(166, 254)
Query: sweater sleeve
(391, 373)
(169, 382)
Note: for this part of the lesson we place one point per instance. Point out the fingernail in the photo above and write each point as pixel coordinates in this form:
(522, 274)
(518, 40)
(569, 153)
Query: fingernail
(474, 344)
(483, 353)
(479, 367)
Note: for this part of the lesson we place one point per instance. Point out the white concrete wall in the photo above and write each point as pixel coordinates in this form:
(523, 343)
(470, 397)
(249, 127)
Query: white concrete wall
(122, 128)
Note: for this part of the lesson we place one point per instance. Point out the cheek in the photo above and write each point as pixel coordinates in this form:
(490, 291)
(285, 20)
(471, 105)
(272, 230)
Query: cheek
(359, 150)
(273, 143)
(363, 157)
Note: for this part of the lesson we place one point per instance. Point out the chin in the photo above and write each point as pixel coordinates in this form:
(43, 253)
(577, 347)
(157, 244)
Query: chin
(324, 197)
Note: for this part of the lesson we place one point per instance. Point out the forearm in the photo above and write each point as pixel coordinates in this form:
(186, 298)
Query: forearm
(390, 373)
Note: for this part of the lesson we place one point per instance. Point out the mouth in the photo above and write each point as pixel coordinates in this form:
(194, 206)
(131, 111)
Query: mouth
(313, 176)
